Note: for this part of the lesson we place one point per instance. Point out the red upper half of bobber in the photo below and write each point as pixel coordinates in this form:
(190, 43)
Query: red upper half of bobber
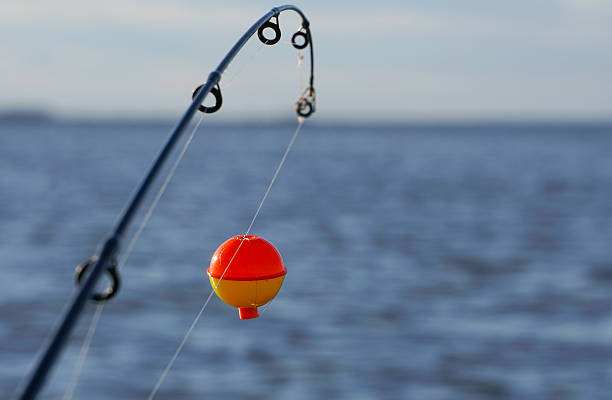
(254, 258)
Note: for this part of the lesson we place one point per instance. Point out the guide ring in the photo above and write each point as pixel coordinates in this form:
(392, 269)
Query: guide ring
(274, 27)
(215, 91)
(294, 40)
(304, 108)
(111, 290)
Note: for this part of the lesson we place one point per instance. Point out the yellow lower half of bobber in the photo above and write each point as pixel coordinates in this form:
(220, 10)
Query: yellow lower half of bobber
(247, 295)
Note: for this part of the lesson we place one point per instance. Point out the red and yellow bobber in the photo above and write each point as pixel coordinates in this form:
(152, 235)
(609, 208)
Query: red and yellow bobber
(246, 272)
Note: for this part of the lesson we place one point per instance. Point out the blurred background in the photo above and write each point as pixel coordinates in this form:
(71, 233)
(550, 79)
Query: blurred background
(445, 216)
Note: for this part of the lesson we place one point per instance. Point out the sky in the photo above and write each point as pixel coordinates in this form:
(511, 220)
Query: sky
(374, 61)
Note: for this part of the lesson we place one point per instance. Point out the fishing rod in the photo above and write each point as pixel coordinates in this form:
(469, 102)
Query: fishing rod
(89, 272)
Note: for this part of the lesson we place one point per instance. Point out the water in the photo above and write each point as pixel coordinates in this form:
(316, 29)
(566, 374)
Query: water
(426, 263)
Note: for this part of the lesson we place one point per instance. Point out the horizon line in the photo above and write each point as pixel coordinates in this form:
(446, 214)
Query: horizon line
(38, 116)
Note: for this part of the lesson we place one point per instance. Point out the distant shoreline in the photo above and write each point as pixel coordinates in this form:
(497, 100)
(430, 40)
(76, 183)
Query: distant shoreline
(34, 117)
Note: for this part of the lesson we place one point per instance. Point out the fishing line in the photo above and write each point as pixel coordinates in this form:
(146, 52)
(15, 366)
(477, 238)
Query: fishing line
(104, 260)
(301, 71)
(259, 207)
(160, 193)
(96, 318)
(278, 168)
(76, 373)
(233, 75)
(303, 74)
(232, 78)
(199, 314)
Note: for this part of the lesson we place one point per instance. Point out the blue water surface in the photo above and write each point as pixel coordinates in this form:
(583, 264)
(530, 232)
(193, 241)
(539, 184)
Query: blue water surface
(424, 262)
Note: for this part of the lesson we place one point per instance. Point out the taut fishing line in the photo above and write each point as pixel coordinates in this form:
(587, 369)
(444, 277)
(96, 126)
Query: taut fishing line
(199, 314)
(105, 259)
(100, 307)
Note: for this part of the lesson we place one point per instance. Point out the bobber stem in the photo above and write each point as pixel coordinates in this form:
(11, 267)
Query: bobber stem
(248, 312)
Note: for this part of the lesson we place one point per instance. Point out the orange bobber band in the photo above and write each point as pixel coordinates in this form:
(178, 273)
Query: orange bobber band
(246, 272)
